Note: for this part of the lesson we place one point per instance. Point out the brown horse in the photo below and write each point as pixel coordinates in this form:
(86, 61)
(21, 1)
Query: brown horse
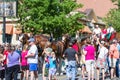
(118, 36)
(57, 46)
(24, 38)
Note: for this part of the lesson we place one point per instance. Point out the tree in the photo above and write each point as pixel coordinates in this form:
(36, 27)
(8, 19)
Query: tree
(113, 17)
(117, 2)
(49, 16)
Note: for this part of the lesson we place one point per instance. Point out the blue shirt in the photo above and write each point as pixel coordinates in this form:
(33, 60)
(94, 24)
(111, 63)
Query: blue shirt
(52, 63)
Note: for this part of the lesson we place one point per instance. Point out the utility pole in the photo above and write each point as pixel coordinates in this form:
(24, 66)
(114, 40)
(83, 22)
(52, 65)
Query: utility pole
(4, 22)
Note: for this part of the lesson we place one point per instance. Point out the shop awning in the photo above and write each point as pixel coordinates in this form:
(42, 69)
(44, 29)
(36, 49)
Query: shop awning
(9, 29)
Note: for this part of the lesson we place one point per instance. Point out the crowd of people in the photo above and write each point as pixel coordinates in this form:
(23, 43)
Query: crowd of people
(95, 56)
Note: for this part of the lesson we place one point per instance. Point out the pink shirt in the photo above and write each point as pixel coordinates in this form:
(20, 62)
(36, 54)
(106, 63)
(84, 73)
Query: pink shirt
(90, 55)
(23, 59)
(104, 31)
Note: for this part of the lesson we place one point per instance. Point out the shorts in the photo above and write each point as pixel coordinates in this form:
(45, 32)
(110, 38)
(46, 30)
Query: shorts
(90, 64)
(52, 71)
(71, 69)
(2, 74)
(25, 67)
(33, 67)
(101, 63)
(112, 62)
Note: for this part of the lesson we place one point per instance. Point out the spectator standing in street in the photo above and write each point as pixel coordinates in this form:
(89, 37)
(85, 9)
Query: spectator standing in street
(46, 53)
(13, 64)
(72, 57)
(113, 56)
(24, 63)
(75, 45)
(82, 61)
(32, 58)
(101, 60)
(5, 53)
(89, 52)
(2, 70)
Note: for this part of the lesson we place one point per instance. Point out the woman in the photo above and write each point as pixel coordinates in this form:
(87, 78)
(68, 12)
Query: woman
(82, 61)
(101, 60)
(113, 56)
(89, 52)
(24, 63)
(5, 53)
(13, 64)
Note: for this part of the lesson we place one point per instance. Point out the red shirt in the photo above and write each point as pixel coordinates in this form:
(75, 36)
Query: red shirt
(75, 47)
(6, 54)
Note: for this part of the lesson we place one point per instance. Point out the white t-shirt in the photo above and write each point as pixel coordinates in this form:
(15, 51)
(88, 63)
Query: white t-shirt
(33, 49)
(110, 30)
(103, 52)
(97, 31)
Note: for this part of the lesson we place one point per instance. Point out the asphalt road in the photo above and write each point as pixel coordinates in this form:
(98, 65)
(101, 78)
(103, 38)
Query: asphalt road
(78, 77)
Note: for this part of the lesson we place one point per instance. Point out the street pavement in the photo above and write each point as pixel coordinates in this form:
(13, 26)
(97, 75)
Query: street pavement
(78, 77)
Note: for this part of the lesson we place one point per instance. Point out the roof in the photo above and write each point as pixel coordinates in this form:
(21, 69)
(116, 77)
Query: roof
(101, 7)
(86, 29)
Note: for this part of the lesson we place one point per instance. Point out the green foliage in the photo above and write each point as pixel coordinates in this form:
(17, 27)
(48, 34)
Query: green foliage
(113, 18)
(117, 2)
(49, 16)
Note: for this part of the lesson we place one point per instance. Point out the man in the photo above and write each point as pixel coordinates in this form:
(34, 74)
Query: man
(110, 29)
(72, 57)
(32, 58)
(97, 31)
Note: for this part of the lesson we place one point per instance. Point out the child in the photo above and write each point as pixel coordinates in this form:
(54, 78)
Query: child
(47, 51)
(24, 64)
(52, 66)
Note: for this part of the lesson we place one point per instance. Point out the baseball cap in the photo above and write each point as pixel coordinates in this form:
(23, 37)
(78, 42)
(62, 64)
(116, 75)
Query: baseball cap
(31, 40)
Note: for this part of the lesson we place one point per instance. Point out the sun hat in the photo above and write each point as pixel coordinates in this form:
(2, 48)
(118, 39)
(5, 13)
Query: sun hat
(48, 50)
